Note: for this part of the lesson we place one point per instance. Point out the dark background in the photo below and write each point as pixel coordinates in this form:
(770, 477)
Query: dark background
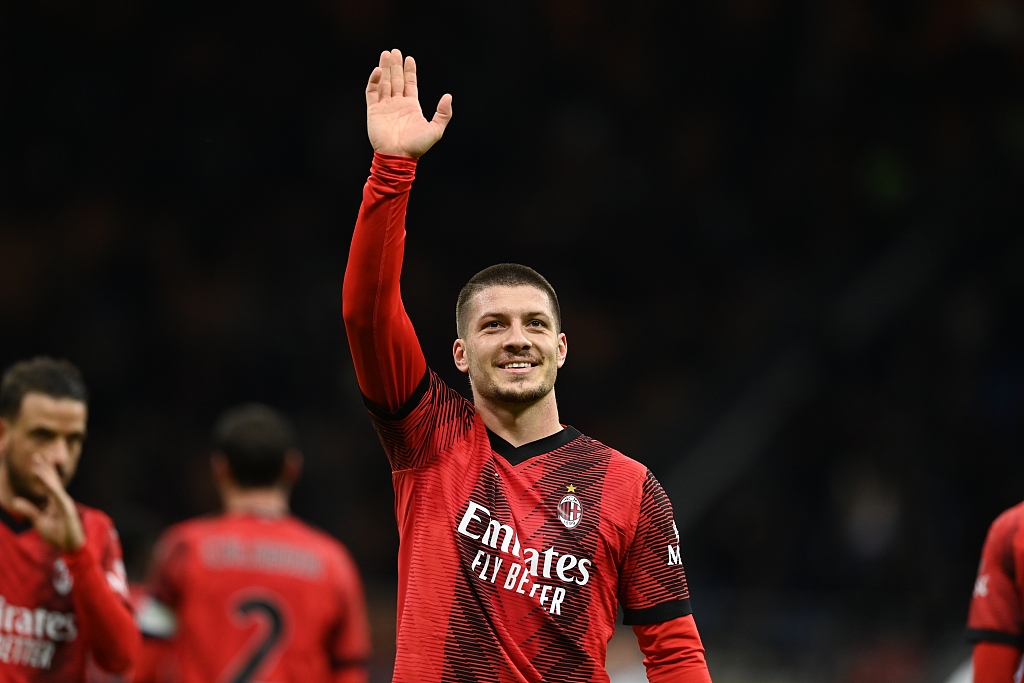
(786, 236)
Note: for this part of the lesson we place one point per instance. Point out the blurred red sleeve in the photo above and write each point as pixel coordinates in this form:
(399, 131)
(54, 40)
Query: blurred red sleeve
(995, 662)
(106, 620)
(155, 661)
(351, 646)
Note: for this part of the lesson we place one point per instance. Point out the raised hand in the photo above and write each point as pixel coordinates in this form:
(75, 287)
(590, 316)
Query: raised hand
(394, 119)
(57, 520)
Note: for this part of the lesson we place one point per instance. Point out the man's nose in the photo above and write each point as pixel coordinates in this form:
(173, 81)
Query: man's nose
(58, 453)
(516, 337)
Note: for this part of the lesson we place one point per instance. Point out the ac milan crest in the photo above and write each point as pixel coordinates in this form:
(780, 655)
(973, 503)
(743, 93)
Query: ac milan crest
(570, 511)
(62, 580)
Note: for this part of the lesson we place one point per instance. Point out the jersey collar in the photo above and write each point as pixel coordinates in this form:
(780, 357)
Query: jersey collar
(13, 523)
(519, 455)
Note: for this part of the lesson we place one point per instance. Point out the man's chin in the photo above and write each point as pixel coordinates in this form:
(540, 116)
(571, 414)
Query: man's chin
(519, 395)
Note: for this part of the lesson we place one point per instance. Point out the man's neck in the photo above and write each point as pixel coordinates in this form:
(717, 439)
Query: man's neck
(266, 502)
(520, 424)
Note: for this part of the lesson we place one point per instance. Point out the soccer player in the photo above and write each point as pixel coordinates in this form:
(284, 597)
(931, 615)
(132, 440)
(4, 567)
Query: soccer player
(254, 594)
(519, 536)
(995, 623)
(63, 593)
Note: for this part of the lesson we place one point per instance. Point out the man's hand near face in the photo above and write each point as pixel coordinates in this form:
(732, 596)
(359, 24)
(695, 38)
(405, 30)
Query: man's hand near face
(69, 552)
(57, 519)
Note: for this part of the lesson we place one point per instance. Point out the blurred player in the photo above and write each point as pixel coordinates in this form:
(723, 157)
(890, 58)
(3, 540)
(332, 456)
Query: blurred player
(63, 596)
(995, 623)
(519, 536)
(253, 594)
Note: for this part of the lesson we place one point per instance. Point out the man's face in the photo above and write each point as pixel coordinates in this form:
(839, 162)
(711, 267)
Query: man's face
(512, 349)
(52, 427)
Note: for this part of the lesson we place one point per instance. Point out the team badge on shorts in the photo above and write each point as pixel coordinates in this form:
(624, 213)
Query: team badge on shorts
(570, 511)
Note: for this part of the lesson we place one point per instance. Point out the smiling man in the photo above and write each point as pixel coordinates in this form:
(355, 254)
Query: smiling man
(63, 596)
(519, 536)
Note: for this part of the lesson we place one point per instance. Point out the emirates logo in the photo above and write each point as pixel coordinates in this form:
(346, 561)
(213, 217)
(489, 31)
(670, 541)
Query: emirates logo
(570, 511)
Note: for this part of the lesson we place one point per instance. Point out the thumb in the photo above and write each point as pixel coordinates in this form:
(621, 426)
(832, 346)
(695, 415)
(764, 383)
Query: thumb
(444, 111)
(25, 508)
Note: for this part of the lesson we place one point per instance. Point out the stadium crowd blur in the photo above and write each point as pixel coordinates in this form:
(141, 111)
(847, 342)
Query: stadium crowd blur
(787, 237)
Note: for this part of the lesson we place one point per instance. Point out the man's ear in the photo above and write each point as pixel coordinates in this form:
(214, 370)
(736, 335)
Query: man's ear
(460, 355)
(292, 469)
(221, 470)
(563, 349)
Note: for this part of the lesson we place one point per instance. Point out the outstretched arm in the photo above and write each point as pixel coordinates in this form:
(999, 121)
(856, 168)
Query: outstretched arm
(388, 360)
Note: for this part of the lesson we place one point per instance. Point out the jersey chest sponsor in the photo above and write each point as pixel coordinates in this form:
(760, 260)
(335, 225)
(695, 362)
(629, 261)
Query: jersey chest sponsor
(543, 575)
(29, 636)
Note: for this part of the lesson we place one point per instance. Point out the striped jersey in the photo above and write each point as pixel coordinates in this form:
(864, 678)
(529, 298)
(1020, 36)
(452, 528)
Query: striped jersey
(513, 561)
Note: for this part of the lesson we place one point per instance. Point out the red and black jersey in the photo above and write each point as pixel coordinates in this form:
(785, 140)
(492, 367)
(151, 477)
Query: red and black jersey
(260, 598)
(43, 633)
(997, 607)
(522, 554)
(512, 561)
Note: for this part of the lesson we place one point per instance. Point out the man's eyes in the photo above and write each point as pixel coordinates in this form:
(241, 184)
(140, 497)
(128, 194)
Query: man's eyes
(43, 435)
(495, 324)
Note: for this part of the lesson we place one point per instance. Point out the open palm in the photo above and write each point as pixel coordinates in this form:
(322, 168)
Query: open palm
(394, 119)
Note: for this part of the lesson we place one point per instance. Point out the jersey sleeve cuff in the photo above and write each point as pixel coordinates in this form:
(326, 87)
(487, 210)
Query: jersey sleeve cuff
(657, 614)
(405, 408)
(981, 635)
(392, 171)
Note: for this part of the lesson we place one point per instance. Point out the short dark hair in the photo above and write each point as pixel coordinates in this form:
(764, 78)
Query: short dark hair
(254, 438)
(503, 275)
(41, 375)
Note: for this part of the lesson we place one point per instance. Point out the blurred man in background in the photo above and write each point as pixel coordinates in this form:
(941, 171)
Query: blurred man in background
(995, 623)
(253, 594)
(519, 536)
(63, 594)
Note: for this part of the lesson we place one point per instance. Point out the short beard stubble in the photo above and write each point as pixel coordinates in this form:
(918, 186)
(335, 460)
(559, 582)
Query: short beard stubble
(21, 484)
(514, 395)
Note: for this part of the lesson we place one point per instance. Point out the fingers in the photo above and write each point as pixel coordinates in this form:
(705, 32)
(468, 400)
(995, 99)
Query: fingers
(444, 112)
(58, 521)
(384, 91)
(397, 74)
(25, 508)
(410, 78)
(373, 86)
(392, 78)
(47, 474)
